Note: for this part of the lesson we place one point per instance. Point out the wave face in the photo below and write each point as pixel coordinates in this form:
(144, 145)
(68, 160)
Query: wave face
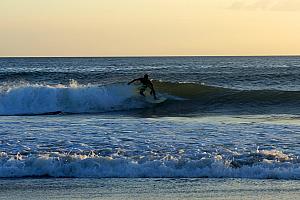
(201, 98)
(261, 164)
(204, 93)
(183, 98)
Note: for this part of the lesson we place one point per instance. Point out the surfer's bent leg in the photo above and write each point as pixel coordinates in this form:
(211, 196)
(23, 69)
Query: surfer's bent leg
(153, 93)
(142, 90)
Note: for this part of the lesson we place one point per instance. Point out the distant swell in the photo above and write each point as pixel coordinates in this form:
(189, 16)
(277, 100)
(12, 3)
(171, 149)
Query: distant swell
(183, 98)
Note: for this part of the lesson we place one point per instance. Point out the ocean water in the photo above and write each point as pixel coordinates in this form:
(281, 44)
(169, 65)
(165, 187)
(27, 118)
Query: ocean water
(148, 188)
(225, 117)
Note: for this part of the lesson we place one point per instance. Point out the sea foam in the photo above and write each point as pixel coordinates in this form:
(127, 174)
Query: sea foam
(64, 165)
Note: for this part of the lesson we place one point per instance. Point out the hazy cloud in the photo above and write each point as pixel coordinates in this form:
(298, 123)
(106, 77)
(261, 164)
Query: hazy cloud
(274, 5)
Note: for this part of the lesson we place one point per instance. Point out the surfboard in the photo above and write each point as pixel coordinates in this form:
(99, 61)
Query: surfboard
(150, 99)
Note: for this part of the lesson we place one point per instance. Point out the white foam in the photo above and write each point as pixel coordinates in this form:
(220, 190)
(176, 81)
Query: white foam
(74, 98)
(62, 165)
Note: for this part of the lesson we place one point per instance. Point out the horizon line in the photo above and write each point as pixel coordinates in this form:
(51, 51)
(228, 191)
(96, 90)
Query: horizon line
(144, 56)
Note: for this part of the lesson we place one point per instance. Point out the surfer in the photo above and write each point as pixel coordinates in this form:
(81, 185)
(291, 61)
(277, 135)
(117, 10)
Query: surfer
(146, 83)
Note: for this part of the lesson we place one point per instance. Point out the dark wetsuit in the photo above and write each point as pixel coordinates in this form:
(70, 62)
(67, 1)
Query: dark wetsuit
(146, 83)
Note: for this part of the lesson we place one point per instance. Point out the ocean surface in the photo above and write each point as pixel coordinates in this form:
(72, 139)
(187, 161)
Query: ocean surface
(225, 117)
(149, 188)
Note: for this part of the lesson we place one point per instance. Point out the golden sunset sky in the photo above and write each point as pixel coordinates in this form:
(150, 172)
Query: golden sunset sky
(149, 27)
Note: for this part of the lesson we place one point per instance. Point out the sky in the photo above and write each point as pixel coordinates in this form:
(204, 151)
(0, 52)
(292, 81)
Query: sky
(149, 27)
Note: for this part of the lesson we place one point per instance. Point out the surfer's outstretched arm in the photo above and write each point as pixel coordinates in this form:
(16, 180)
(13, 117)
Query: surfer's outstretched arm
(137, 79)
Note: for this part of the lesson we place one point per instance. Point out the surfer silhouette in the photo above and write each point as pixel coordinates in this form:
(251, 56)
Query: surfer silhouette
(145, 83)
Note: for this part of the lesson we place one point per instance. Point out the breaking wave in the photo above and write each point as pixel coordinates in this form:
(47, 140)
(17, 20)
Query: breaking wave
(74, 98)
(262, 164)
(31, 99)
